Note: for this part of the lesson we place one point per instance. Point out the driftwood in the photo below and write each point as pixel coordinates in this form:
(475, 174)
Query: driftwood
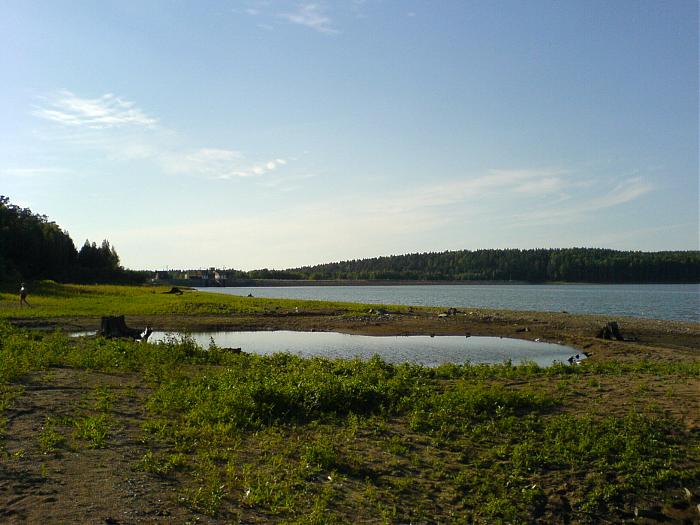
(115, 327)
(610, 331)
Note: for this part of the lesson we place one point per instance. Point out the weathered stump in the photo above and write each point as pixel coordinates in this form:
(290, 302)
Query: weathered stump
(610, 331)
(114, 327)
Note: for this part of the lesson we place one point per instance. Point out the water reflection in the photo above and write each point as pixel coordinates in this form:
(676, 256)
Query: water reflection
(419, 349)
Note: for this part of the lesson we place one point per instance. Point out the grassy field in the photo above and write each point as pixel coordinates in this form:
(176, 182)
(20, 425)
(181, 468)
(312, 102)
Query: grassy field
(175, 433)
(50, 299)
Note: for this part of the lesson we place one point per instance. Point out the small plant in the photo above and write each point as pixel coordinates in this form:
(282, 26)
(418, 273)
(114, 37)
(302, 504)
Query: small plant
(49, 439)
(93, 429)
(206, 499)
(104, 398)
(397, 445)
(321, 454)
(162, 466)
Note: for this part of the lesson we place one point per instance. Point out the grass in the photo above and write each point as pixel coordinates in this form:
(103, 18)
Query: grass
(50, 440)
(283, 439)
(93, 430)
(53, 300)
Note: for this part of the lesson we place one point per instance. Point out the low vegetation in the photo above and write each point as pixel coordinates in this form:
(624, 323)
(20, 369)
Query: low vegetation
(279, 438)
(50, 299)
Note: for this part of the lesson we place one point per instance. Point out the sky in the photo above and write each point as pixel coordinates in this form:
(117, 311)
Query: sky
(276, 134)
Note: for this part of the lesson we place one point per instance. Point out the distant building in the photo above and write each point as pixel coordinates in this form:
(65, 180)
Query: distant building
(210, 277)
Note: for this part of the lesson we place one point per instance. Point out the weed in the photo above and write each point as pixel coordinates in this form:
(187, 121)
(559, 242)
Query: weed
(321, 454)
(49, 439)
(93, 429)
(162, 465)
(205, 499)
(104, 398)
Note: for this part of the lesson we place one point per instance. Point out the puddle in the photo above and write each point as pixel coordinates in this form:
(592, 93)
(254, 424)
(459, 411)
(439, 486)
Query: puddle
(418, 349)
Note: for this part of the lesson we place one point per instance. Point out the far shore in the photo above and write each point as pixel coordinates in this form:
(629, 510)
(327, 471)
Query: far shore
(254, 283)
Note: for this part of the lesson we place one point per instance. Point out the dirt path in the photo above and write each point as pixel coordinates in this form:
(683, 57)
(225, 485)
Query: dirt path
(48, 470)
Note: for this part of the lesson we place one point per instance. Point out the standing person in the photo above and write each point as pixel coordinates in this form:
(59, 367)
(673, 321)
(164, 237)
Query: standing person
(23, 296)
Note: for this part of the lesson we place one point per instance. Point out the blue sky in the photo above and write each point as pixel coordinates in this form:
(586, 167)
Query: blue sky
(276, 134)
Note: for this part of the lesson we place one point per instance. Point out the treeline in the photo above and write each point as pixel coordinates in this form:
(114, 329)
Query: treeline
(592, 265)
(32, 247)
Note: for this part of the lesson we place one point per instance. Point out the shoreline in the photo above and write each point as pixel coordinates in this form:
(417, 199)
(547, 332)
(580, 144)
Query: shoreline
(647, 339)
(81, 307)
(283, 283)
(562, 300)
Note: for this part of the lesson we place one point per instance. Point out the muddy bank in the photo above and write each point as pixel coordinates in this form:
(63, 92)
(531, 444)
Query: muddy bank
(647, 339)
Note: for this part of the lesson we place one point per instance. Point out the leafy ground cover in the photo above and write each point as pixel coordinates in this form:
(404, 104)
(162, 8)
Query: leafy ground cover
(174, 433)
(51, 299)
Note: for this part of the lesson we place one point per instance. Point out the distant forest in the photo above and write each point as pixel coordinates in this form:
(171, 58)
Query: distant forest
(32, 247)
(590, 265)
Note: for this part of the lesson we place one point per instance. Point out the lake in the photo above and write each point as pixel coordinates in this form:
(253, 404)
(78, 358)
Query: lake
(419, 349)
(657, 301)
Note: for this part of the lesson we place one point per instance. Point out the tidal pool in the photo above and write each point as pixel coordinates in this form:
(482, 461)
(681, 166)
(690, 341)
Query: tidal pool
(419, 349)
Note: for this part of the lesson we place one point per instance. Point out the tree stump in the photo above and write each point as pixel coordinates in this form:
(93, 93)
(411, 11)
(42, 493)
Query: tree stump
(114, 327)
(610, 331)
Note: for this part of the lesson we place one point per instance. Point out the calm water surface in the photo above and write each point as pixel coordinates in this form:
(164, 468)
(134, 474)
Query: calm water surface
(658, 301)
(419, 349)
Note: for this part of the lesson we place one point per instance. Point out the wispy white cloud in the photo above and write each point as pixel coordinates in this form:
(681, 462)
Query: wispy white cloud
(625, 191)
(107, 111)
(498, 182)
(313, 16)
(217, 164)
(117, 130)
(206, 162)
(540, 186)
(261, 168)
(507, 198)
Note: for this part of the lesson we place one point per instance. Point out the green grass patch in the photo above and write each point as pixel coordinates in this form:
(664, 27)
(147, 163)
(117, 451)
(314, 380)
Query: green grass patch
(93, 430)
(49, 439)
(279, 438)
(50, 299)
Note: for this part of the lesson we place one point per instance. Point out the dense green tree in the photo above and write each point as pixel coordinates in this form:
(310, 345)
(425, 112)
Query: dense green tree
(32, 247)
(537, 265)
